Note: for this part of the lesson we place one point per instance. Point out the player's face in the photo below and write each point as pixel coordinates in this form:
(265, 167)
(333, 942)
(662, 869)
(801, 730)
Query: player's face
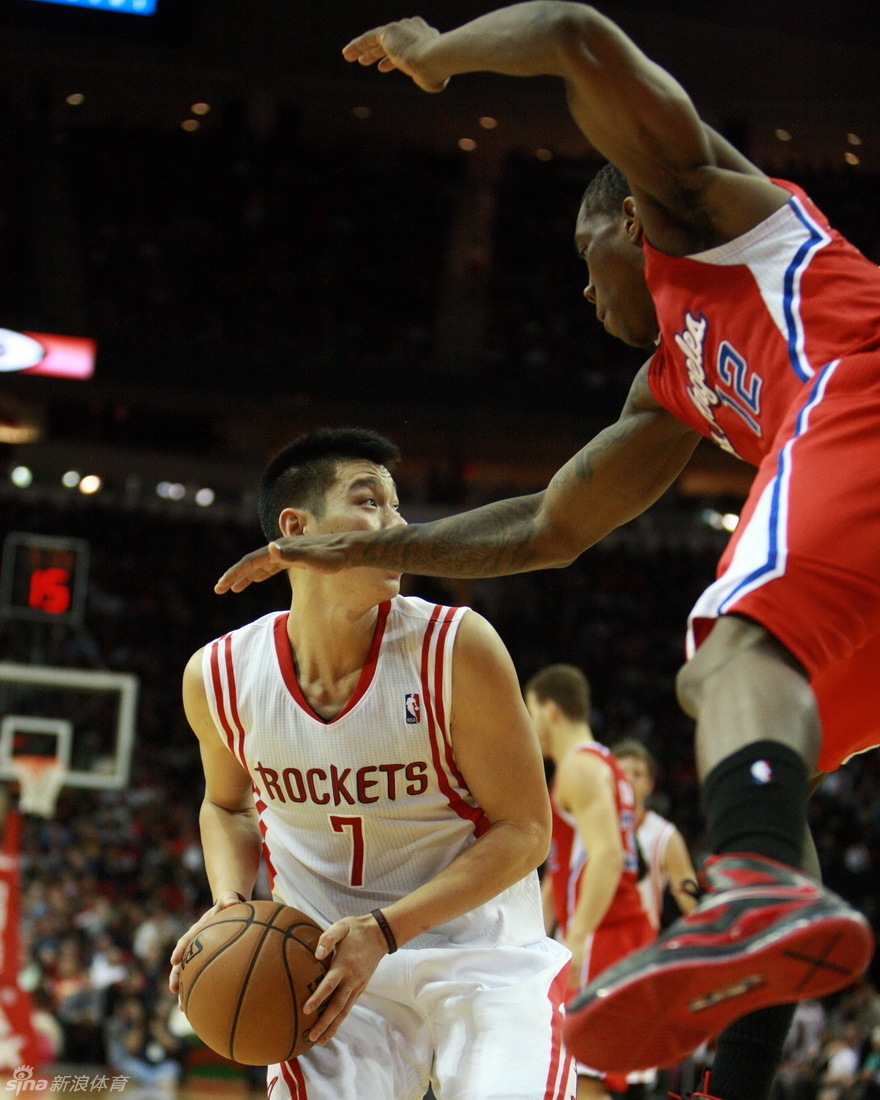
(616, 278)
(362, 497)
(637, 772)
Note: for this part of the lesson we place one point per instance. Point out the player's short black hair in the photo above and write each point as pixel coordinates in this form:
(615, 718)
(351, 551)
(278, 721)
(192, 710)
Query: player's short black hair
(631, 746)
(302, 472)
(567, 686)
(606, 192)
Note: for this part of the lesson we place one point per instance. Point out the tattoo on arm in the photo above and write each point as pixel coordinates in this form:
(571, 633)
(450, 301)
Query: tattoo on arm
(615, 477)
(492, 541)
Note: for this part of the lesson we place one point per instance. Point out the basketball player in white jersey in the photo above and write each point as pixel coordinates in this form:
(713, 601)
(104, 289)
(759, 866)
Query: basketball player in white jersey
(667, 860)
(375, 750)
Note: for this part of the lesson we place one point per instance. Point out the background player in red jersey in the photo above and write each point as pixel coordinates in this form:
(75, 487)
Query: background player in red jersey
(664, 853)
(762, 327)
(590, 888)
(376, 750)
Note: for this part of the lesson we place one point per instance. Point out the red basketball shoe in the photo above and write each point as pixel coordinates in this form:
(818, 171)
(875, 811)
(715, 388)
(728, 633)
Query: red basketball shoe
(764, 934)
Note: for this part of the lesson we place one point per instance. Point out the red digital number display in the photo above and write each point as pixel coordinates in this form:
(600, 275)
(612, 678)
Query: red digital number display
(49, 591)
(43, 577)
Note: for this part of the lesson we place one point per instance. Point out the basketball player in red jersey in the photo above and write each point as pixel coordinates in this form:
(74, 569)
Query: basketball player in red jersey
(590, 888)
(376, 750)
(762, 327)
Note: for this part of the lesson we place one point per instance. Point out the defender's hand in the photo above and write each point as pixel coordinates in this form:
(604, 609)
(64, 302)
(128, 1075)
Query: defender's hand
(325, 553)
(404, 45)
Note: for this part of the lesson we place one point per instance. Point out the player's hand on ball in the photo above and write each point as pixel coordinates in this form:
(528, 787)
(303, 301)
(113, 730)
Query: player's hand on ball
(356, 945)
(224, 900)
(404, 45)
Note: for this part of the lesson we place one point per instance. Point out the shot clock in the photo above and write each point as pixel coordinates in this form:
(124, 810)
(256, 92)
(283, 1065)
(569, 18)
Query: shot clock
(43, 579)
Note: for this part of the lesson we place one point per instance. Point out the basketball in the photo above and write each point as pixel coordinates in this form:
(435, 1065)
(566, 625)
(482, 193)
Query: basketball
(245, 978)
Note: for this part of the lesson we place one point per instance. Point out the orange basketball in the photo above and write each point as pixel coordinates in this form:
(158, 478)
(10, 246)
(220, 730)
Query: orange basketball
(245, 978)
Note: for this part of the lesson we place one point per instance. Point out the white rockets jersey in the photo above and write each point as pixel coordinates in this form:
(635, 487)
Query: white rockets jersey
(358, 811)
(652, 836)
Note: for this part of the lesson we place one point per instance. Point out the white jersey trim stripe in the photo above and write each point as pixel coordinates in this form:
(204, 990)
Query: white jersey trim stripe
(296, 1083)
(792, 290)
(560, 1059)
(233, 700)
(562, 1093)
(762, 551)
(224, 696)
(217, 686)
(777, 551)
(261, 807)
(432, 688)
(442, 680)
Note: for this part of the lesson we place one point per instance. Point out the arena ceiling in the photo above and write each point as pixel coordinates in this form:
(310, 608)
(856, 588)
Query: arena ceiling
(804, 68)
(809, 69)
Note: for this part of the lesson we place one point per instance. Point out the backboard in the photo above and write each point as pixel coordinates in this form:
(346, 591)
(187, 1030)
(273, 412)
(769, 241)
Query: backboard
(86, 718)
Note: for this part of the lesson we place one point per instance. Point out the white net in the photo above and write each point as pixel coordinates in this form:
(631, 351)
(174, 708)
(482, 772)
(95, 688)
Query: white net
(40, 779)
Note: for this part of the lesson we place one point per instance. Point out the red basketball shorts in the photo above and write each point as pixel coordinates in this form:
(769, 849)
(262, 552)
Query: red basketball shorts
(606, 946)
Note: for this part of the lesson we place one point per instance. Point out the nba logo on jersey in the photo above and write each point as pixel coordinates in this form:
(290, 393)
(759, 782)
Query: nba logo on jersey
(413, 708)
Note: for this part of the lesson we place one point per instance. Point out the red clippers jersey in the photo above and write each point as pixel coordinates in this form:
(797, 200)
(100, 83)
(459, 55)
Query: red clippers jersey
(745, 326)
(569, 858)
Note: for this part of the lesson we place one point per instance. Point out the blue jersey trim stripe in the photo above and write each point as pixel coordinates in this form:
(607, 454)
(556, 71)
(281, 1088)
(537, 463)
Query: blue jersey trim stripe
(771, 565)
(791, 293)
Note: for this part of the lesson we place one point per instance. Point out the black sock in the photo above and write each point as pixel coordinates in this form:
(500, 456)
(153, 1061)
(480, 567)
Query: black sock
(755, 800)
(748, 1054)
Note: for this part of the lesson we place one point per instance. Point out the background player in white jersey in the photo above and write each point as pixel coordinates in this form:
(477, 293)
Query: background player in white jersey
(667, 861)
(377, 751)
(590, 888)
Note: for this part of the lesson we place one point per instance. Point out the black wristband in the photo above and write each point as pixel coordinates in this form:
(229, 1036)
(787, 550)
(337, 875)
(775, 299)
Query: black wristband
(240, 897)
(385, 929)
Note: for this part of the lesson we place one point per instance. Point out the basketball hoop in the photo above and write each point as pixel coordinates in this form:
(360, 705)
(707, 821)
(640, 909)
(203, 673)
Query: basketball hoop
(40, 778)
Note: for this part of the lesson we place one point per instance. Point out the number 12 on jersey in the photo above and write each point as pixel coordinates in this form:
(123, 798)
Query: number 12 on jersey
(341, 823)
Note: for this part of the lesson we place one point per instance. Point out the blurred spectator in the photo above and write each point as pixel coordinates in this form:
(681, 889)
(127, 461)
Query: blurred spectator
(140, 1046)
(869, 1074)
(841, 1061)
(803, 1048)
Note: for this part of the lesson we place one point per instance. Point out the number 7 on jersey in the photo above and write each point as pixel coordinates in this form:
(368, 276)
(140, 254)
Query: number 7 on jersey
(339, 823)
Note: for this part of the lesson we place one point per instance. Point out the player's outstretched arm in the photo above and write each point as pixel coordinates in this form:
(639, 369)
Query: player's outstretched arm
(629, 108)
(614, 478)
(496, 751)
